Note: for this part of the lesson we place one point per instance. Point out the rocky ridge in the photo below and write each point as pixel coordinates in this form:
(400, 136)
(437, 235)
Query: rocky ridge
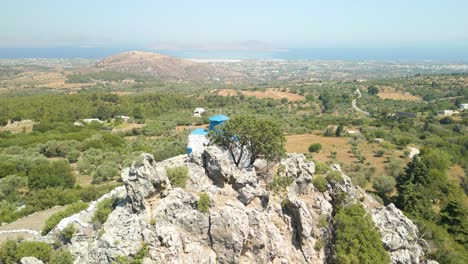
(246, 223)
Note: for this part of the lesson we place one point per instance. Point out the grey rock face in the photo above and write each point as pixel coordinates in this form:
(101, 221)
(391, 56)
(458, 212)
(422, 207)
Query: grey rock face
(144, 180)
(399, 234)
(245, 223)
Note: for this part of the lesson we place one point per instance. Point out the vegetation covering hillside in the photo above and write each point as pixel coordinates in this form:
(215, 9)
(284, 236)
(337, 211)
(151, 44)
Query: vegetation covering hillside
(59, 162)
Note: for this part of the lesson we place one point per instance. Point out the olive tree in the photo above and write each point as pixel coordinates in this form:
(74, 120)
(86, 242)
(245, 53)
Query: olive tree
(247, 135)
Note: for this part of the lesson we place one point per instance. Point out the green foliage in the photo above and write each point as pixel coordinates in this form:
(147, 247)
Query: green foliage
(384, 185)
(178, 176)
(203, 203)
(334, 177)
(279, 184)
(54, 219)
(8, 212)
(103, 209)
(11, 251)
(7, 168)
(454, 218)
(321, 168)
(443, 248)
(67, 233)
(316, 147)
(372, 90)
(414, 192)
(137, 259)
(56, 174)
(259, 137)
(40, 250)
(320, 183)
(356, 239)
(61, 257)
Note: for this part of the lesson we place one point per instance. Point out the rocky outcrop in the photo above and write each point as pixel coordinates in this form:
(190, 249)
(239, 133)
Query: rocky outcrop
(143, 179)
(399, 234)
(244, 224)
(31, 260)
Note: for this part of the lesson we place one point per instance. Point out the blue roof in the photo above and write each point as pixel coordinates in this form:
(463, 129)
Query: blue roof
(219, 118)
(199, 131)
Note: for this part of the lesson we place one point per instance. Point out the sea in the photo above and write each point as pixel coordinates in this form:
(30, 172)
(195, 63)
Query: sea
(379, 54)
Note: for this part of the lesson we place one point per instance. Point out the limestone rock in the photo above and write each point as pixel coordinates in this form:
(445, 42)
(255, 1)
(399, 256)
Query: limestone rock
(245, 223)
(144, 180)
(31, 260)
(399, 234)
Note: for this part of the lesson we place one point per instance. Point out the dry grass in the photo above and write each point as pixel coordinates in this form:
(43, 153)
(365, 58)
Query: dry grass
(123, 93)
(388, 92)
(399, 96)
(301, 143)
(25, 126)
(268, 93)
(127, 127)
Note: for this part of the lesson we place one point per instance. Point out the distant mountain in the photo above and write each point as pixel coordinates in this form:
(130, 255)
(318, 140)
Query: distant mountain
(164, 67)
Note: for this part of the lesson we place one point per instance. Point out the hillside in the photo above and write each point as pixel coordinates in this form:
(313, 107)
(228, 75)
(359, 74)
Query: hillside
(164, 67)
(242, 220)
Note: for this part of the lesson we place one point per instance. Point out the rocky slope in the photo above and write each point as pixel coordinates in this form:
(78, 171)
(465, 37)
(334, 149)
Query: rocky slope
(164, 67)
(245, 224)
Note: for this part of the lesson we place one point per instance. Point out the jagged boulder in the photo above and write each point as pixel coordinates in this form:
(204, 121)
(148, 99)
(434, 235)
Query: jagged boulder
(297, 167)
(143, 179)
(399, 234)
(245, 223)
(220, 168)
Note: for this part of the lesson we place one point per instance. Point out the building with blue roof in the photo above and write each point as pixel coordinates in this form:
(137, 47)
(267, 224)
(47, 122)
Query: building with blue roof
(217, 120)
(197, 140)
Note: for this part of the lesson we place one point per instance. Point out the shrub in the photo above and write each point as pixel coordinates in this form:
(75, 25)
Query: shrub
(335, 177)
(104, 208)
(56, 174)
(356, 239)
(61, 257)
(316, 147)
(104, 172)
(280, 183)
(359, 179)
(320, 183)
(321, 168)
(203, 203)
(68, 232)
(384, 185)
(40, 250)
(380, 153)
(178, 176)
(8, 212)
(54, 219)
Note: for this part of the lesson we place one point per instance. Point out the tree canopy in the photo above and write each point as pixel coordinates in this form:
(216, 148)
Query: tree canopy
(357, 240)
(257, 137)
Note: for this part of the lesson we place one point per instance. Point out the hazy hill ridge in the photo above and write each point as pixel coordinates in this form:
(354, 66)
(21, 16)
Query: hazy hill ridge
(163, 66)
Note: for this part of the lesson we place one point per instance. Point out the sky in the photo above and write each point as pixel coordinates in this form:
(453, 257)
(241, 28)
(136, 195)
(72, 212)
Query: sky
(439, 24)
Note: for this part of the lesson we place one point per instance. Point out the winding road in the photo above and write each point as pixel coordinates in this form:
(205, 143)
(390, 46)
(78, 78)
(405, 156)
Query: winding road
(354, 104)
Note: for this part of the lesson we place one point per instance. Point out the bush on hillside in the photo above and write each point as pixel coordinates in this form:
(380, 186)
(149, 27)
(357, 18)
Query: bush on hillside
(178, 176)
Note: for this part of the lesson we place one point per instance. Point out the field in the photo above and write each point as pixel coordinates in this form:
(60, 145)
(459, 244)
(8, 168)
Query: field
(268, 93)
(388, 92)
(342, 147)
(399, 96)
(24, 126)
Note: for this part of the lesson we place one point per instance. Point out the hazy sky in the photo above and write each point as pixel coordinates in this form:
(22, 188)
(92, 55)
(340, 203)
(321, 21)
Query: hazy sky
(282, 23)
